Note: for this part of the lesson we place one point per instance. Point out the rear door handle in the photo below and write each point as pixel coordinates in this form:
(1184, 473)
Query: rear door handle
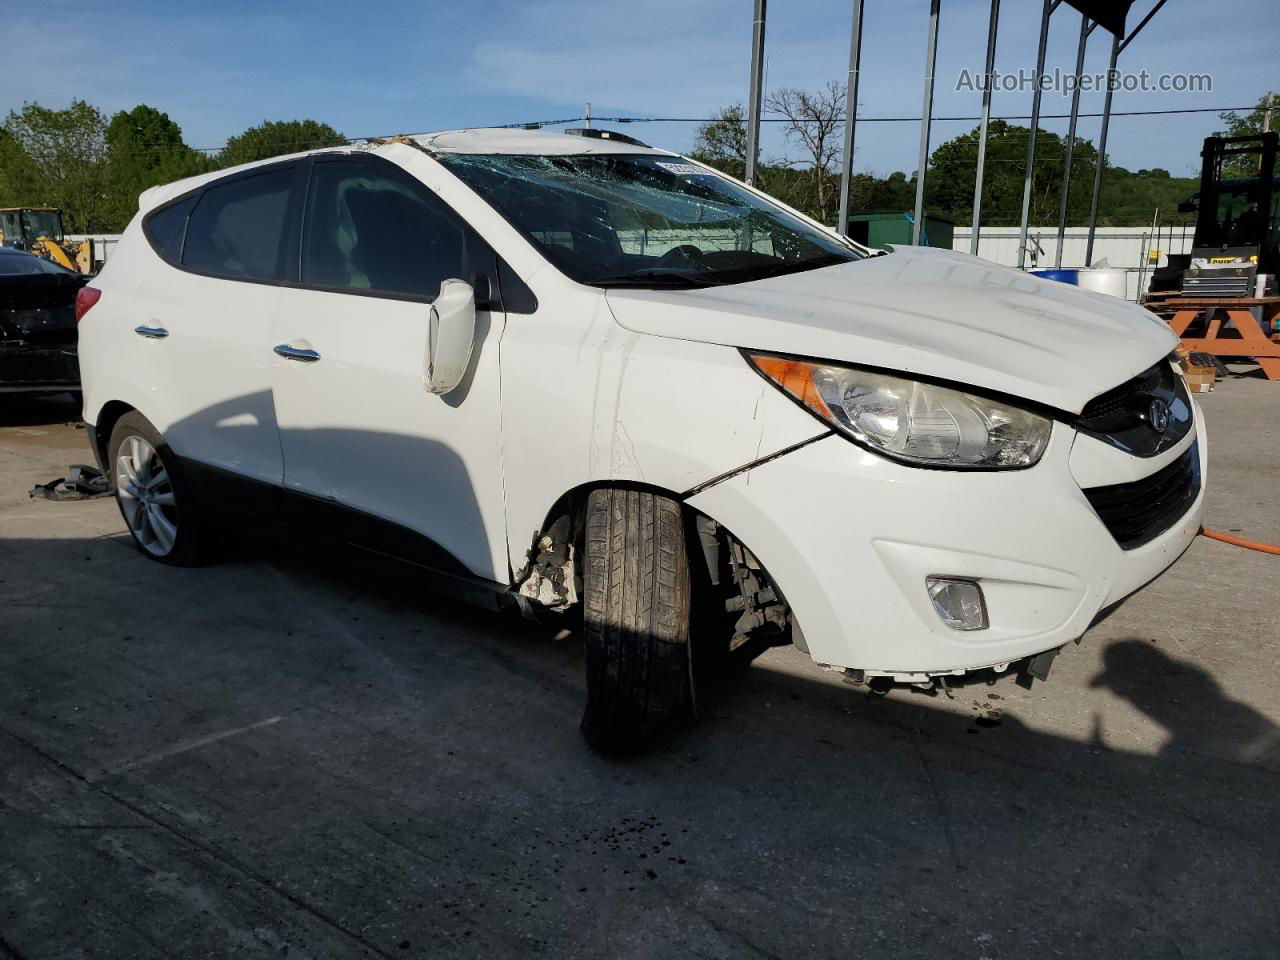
(153, 333)
(296, 353)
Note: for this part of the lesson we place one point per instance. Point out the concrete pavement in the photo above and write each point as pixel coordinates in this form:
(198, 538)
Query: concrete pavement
(283, 755)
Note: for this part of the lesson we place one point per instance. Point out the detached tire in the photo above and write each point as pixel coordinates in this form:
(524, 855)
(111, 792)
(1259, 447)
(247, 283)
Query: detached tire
(155, 500)
(636, 608)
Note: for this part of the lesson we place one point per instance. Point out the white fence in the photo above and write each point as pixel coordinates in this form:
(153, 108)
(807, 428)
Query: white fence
(1121, 247)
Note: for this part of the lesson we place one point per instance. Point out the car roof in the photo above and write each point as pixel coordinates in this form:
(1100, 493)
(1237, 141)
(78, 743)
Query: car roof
(19, 262)
(488, 140)
(526, 142)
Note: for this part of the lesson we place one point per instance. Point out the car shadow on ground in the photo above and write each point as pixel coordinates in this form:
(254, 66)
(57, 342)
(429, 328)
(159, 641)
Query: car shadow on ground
(290, 751)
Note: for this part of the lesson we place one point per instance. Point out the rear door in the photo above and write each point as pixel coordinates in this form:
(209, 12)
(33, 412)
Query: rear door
(369, 451)
(203, 328)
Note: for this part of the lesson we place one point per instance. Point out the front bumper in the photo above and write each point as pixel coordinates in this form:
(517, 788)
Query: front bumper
(850, 538)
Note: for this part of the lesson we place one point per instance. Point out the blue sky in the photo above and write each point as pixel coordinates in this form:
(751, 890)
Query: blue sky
(388, 66)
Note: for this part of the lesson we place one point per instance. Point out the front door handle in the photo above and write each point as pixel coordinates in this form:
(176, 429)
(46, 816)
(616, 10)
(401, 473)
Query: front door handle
(296, 353)
(152, 333)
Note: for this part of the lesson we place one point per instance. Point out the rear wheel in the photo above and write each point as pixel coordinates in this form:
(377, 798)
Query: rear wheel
(636, 608)
(154, 500)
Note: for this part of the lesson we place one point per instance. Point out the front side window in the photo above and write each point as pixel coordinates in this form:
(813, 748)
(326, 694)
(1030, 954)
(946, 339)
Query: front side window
(368, 230)
(237, 228)
(42, 223)
(645, 220)
(11, 223)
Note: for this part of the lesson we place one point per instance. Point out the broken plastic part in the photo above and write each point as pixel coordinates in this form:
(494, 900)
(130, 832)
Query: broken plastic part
(550, 577)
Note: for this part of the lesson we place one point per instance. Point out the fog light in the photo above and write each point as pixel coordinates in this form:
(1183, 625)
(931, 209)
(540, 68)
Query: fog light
(958, 603)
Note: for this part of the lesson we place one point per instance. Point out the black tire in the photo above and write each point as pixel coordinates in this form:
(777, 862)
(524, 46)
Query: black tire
(636, 606)
(188, 545)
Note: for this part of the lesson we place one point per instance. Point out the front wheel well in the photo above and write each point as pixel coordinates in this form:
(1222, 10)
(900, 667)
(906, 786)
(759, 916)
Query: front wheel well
(730, 585)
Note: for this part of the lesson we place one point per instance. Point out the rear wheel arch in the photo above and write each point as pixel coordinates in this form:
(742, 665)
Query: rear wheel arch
(108, 416)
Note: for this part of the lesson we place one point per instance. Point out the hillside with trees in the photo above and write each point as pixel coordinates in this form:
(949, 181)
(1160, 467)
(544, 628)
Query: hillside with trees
(94, 166)
(811, 180)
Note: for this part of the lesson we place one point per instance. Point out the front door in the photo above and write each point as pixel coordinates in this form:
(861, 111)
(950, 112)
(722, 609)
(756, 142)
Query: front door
(364, 443)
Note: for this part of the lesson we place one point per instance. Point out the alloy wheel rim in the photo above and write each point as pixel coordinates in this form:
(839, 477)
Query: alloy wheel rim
(146, 495)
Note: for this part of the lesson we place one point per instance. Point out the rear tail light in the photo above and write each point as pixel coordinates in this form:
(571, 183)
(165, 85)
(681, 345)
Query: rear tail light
(86, 297)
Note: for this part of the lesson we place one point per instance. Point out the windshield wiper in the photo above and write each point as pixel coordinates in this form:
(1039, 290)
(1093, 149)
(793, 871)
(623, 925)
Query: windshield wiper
(795, 266)
(653, 278)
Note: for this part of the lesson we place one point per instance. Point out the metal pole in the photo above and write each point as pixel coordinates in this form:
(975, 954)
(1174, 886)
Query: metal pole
(1049, 6)
(756, 92)
(1102, 150)
(926, 120)
(1145, 20)
(1070, 145)
(851, 116)
(982, 130)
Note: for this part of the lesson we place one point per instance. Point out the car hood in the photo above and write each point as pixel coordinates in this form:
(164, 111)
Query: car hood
(923, 311)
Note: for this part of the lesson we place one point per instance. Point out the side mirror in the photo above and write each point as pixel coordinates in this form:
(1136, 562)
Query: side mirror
(451, 337)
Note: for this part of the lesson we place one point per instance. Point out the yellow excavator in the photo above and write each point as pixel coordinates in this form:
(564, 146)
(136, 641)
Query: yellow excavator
(38, 230)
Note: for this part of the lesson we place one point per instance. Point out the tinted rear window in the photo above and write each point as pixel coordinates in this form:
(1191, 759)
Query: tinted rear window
(237, 228)
(166, 228)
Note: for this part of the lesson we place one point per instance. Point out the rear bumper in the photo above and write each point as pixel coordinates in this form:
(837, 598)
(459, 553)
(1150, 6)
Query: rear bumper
(41, 387)
(850, 538)
(39, 369)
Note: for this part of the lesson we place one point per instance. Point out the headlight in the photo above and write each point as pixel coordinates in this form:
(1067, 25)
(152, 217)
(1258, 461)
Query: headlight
(914, 422)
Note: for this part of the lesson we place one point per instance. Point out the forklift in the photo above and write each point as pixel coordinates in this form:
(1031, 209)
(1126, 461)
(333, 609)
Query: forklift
(38, 230)
(1237, 233)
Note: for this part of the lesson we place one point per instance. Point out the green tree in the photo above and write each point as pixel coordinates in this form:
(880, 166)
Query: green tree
(721, 142)
(57, 158)
(145, 148)
(953, 174)
(1242, 125)
(274, 138)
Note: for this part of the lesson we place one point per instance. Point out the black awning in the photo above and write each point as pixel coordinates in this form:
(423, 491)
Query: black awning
(1109, 14)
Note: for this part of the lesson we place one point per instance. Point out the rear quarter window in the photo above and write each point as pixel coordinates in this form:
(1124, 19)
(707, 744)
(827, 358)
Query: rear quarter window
(167, 227)
(237, 228)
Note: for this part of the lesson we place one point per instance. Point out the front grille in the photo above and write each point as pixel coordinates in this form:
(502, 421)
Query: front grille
(1138, 512)
(1122, 415)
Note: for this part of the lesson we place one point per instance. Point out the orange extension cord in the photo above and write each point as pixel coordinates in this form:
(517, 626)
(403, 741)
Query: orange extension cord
(1241, 541)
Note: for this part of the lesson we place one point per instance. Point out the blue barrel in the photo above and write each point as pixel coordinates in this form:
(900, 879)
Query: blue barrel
(1062, 276)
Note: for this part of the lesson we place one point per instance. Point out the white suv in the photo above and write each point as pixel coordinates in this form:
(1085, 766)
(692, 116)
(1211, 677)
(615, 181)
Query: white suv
(575, 372)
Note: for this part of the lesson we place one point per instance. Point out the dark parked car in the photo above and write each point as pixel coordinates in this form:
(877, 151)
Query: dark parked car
(37, 325)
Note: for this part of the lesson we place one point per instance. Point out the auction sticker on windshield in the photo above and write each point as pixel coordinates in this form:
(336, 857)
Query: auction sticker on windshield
(688, 168)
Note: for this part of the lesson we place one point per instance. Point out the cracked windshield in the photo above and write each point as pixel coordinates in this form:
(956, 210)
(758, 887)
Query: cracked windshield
(616, 220)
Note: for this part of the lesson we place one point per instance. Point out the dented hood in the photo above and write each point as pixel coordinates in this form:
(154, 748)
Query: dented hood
(924, 311)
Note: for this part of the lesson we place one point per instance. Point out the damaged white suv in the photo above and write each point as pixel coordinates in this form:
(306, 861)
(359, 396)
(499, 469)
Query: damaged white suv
(574, 372)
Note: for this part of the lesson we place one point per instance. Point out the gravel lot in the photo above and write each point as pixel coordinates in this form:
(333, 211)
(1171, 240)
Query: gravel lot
(282, 754)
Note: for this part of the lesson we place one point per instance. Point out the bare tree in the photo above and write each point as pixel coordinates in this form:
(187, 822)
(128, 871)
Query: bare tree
(815, 120)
